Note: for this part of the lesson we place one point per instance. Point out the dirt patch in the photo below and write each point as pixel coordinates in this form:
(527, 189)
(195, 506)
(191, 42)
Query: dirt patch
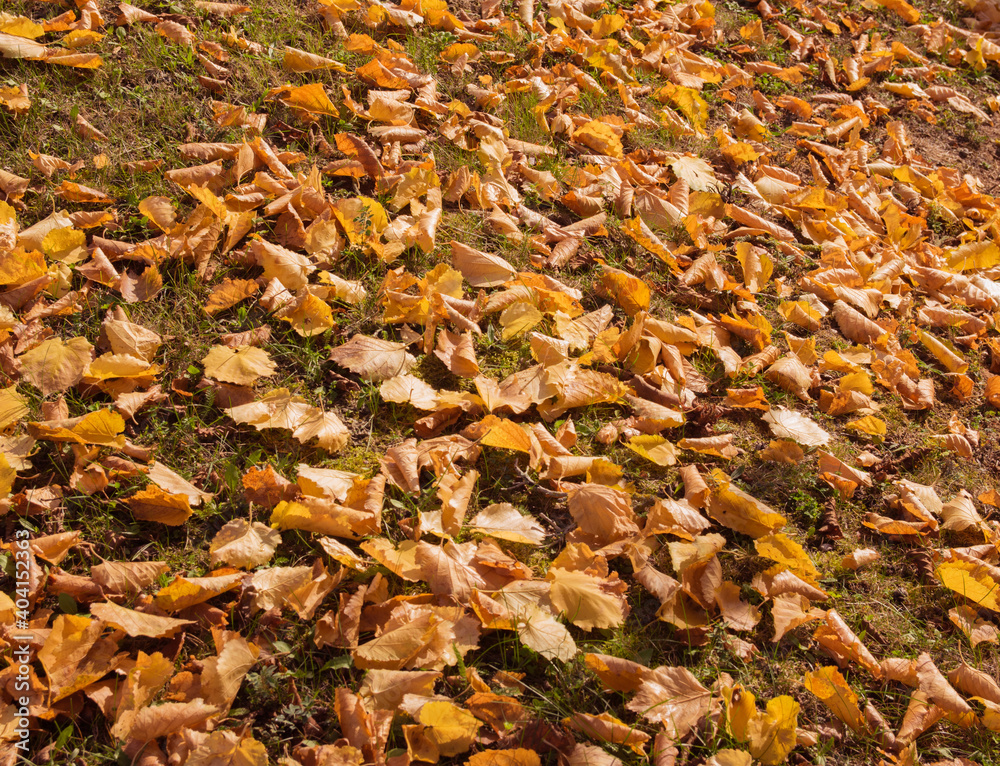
(959, 142)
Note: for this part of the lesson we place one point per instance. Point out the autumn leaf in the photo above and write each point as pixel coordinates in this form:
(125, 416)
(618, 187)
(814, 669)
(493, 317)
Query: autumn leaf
(373, 358)
(229, 293)
(244, 544)
(771, 737)
(137, 623)
(673, 697)
(586, 600)
(241, 366)
(504, 521)
(829, 685)
(972, 581)
(153, 504)
(790, 424)
(13, 406)
(449, 727)
(56, 365)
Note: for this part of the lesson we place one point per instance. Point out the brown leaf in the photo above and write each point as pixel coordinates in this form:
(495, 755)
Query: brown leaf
(137, 623)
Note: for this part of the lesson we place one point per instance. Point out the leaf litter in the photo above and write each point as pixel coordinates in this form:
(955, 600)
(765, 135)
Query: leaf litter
(782, 274)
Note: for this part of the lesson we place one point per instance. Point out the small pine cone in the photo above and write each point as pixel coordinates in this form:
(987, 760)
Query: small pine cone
(923, 561)
(829, 525)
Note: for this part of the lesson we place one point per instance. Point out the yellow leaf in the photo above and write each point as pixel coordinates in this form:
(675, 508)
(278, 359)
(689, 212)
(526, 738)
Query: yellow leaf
(227, 748)
(753, 31)
(901, 8)
(505, 522)
(585, 599)
(243, 544)
(755, 329)
(856, 381)
(453, 52)
(689, 102)
(13, 46)
(629, 292)
(401, 560)
(518, 756)
(654, 448)
(972, 581)
(829, 685)
(74, 192)
(448, 726)
(291, 269)
(15, 99)
(7, 475)
(600, 137)
(13, 406)
(81, 38)
(228, 293)
(153, 504)
(772, 735)
(757, 266)
(801, 313)
(607, 25)
(310, 98)
(720, 445)
(240, 366)
(137, 623)
(730, 757)
(103, 427)
(19, 266)
(791, 424)
(310, 316)
(974, 255)
(160, 211)
(480, 269)
(56, 365)
(188, 591)
(505, 434)
(782, 549)
(606, 728)
(519, 318)
(740, 511)
(944, 352)
(869, 425)
(67, 245)
(302, 61)
(373, 359)
(21, 26)
(740, 152)
(108, 367)
(741, 709)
